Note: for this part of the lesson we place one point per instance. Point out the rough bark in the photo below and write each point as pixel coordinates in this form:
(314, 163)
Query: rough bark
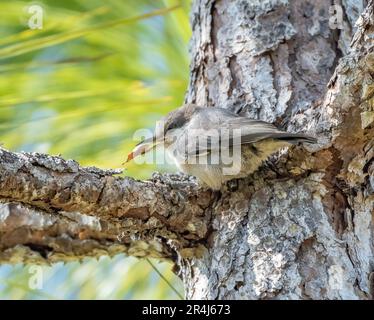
(308, 235)
(299, 228)
(53, 210)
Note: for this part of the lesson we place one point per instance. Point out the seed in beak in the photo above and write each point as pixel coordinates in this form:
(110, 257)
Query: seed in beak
(140, 149)
(130, 156)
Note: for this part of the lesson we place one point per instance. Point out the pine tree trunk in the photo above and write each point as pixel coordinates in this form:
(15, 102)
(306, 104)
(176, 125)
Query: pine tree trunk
(302, 227)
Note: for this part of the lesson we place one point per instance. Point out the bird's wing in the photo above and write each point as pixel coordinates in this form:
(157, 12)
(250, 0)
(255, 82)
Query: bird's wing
(207, 131)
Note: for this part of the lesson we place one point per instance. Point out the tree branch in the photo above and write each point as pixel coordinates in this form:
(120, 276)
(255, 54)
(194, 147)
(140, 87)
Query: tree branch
(63, 211)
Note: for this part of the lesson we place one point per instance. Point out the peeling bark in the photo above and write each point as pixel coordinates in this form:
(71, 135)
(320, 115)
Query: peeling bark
(299, 228)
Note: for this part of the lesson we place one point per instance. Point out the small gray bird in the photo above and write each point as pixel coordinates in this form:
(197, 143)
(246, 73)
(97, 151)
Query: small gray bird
(216, 145)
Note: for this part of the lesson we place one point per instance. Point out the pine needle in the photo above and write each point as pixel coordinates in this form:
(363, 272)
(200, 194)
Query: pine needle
(166, 280)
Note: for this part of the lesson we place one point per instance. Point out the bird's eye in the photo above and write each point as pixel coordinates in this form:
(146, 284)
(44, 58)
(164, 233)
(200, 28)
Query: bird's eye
(171, 126)
(178, 122)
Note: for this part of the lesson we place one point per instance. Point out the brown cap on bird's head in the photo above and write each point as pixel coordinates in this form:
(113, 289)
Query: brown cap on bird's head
(172, 121)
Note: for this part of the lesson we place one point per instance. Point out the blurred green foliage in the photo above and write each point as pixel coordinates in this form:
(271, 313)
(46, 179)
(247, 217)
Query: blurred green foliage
(96, 72)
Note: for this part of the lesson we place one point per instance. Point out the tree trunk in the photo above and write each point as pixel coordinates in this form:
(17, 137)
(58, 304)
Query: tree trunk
(299, 228)
(302, 229)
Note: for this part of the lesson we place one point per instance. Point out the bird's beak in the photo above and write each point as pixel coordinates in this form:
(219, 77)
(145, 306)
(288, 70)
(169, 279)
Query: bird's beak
(143, 147)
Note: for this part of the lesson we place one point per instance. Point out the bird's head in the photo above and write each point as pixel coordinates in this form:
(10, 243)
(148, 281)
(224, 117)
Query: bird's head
(166, 130)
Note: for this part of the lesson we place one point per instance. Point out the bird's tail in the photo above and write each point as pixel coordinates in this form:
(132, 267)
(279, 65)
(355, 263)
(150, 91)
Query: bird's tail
(294, 138)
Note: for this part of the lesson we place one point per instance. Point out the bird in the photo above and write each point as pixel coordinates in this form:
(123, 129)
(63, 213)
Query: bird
(215, 144)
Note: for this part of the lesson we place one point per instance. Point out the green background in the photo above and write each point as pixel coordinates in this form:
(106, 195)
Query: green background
(80, 87)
